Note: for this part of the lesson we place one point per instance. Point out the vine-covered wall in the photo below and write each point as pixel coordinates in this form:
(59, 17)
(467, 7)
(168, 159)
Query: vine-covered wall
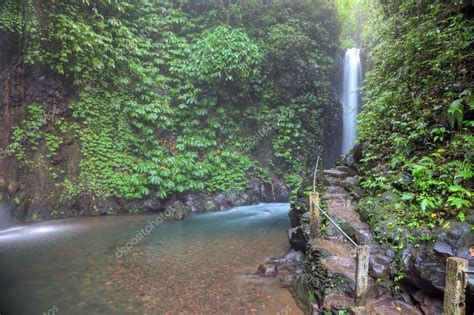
(416, 127)
(128, 99)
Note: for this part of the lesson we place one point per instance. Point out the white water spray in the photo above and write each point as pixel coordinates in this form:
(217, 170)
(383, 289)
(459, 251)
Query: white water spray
(350, 102)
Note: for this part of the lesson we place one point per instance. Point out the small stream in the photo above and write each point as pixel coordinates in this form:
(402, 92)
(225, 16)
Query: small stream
(202, 265)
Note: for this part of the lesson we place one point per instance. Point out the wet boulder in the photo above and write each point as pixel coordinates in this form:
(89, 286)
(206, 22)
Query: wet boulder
(344, 168)
(350, 182)
(151, 204)
(268, 270)
(455, 240)
(87, 204)
(357, 192)
(335, 173)
(298, 237)
(294, 256)
(353, 157)
(176, 211)
(282, 193)
(298, 208)
(379, 264)
(424, 270)
(425, 267)
(428, 304)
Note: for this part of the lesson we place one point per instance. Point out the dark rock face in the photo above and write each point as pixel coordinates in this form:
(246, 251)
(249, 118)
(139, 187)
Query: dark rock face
(350, 182)
(177, 211)
(281, 191)
(258, 192)
(298, 237)
(428, 304)
(151, 204)
(88, 205)
(295, 217)
(20, 86)
(198, 202)
(333, 127)
(380, 262)
(354, 156)
(36, 192)
(426, 267)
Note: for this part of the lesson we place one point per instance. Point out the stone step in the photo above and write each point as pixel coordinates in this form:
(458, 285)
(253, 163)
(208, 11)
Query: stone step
(337, 256)
(335, 190)
(332, 181)
(343, 168)
(335, 196)
(335, 173)
(341, 209)
(338, 259)
(346, 213)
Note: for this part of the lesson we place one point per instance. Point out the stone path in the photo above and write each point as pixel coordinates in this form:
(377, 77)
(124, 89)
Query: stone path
(337, 255)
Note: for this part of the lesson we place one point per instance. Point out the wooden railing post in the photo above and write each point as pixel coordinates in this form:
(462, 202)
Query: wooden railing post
(321, 173)
(314, 214)
(362, 275)
(455, 287)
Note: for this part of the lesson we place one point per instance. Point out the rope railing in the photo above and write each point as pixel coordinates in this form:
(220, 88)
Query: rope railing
(457, 269)
(316, 169)
(335, 224)
(362, 252)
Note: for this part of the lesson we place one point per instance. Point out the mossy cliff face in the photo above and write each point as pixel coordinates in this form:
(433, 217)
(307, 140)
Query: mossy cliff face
(33, 186)
(33, 180)
(103, 113)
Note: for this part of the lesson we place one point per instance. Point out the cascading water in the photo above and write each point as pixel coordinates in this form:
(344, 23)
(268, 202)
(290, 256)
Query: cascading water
(350, 102)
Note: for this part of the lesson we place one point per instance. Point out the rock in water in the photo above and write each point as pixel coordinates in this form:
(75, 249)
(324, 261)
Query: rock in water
(267, 270)
(177, 210)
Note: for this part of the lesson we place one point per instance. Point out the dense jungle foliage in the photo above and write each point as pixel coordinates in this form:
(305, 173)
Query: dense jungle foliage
(170, 94)
(416, 124)
(174, 96)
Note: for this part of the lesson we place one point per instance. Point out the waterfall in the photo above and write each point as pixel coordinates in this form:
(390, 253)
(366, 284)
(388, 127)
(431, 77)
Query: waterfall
(350, 101)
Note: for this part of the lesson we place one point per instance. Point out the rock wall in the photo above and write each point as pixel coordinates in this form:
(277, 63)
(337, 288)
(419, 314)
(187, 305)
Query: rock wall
(33, 192)
(332, 142)
(330, 260)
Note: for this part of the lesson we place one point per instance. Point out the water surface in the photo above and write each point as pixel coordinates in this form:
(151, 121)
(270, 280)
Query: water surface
(350, 98)
(202, 265)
